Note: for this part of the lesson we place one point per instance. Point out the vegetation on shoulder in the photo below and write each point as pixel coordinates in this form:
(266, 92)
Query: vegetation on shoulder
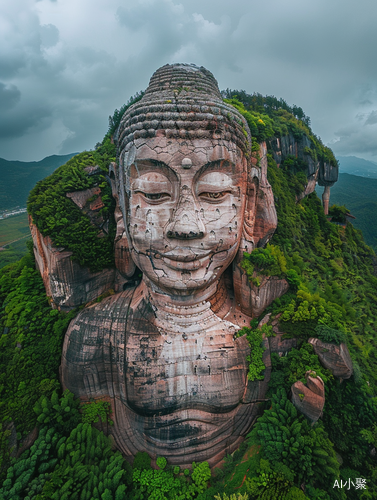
(59, 217)
(289, 439)
(268, 261)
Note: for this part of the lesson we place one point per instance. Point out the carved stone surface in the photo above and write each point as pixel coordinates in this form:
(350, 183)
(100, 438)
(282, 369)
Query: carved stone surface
(309, 398)
(335, 358)
(190, 201)
(67, 283)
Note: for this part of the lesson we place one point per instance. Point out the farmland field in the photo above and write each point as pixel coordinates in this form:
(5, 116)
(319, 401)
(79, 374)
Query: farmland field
(14, 232)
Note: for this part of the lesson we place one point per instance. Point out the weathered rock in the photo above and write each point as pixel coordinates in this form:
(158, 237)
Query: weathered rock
(264, 211)
(259, 225)
(264, 320)
(28, 441)
(253, 300)
(67, 283)
(317, 171)
(335, 358)
(277, 344)
(123, 261)
(90, 202)
(80, 198)
(309, 398)
(176, 393)
(281, 346)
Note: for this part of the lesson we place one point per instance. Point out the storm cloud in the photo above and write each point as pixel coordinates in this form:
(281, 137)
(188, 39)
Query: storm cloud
(66, 65)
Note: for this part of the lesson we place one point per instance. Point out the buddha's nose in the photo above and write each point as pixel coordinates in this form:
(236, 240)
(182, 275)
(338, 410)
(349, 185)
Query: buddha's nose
(186, 223)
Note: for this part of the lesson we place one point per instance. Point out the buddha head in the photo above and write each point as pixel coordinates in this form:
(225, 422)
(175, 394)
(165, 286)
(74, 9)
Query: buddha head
(186, 185)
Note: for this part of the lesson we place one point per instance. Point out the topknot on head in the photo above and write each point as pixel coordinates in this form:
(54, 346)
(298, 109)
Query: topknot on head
(184, 102)
(177, 79)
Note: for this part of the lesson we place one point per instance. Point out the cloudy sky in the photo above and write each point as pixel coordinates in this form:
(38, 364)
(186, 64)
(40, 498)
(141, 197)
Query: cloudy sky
(65, 65)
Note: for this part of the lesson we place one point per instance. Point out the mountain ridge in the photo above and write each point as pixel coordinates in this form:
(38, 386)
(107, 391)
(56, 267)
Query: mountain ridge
(17, 178)
(357, 166)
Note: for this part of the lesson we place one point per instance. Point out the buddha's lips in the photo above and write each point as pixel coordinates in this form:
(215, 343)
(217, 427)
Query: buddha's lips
(187, 257)
(190, 264)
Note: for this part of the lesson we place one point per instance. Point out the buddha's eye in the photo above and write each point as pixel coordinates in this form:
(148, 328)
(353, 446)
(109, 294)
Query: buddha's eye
(154, 196)
(208, 196)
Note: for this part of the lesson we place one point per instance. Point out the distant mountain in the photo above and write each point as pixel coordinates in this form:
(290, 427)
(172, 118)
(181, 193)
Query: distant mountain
(17, 178)
(359, 195)
(357, 166)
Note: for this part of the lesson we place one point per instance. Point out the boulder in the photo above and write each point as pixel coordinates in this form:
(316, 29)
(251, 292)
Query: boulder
(335, 358)
(309, 398)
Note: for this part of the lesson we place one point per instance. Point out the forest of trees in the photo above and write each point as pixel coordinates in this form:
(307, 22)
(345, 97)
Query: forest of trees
(332, 296)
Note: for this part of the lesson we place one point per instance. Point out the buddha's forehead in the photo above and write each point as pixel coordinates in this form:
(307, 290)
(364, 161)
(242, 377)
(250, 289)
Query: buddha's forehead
(171, 152)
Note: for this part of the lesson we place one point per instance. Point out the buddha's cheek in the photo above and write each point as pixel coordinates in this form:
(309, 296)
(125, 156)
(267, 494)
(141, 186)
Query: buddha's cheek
(146, 228)
(224, 224)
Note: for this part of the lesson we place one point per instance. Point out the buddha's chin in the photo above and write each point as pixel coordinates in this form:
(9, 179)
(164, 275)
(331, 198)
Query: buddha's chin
(187, 283)
(179, 277)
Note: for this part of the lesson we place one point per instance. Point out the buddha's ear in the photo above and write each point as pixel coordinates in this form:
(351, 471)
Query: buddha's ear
(260, 219)
(260, 222)
(123, 261)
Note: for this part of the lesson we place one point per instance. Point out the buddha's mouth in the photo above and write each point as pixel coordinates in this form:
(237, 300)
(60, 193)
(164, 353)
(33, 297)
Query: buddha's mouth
(183, 257)
(187, 264)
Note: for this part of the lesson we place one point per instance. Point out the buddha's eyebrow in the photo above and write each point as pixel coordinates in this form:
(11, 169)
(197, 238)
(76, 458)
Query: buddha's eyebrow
(151, 164)
(151, 161)
(219, 164)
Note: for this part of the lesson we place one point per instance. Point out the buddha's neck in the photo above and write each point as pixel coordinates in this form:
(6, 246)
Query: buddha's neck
(191, 317)
(169, 301)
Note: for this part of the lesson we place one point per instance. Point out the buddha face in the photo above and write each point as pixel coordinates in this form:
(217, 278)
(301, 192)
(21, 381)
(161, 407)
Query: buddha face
(186, 204)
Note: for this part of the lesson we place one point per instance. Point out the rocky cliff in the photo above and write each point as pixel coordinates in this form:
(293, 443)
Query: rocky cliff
(317, 170)
(67, 283)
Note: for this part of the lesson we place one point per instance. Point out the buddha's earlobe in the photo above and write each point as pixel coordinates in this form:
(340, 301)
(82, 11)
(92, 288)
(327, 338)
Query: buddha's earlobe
(123, 261)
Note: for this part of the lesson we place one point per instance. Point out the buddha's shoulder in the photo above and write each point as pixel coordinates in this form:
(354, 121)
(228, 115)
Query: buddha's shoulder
(95, 323)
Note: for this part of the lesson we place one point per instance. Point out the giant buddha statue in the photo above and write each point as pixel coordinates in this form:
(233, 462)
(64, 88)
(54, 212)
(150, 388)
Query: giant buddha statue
(191, 199)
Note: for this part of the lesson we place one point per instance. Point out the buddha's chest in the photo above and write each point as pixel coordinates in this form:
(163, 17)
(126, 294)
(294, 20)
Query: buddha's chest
(200, 368)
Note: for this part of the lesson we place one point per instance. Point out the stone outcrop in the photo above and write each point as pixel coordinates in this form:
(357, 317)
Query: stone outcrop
(309, 398)
(277, 344)
(254, 300)
(317, 170)
(259, 226)
(335, 358)
(67, 283)
(264, 218)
